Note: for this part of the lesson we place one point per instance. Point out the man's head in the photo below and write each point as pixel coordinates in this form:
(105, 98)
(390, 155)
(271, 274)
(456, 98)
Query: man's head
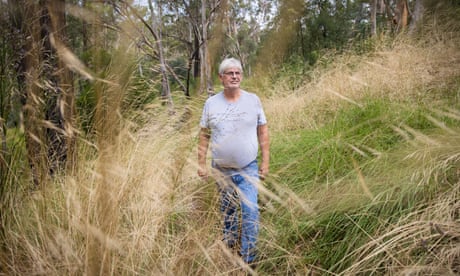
(231, 74)
(230, 63)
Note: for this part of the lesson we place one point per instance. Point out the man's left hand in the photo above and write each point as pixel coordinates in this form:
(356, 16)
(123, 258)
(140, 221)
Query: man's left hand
(263, 171)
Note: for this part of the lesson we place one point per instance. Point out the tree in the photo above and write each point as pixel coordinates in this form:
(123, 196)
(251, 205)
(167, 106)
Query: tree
(206, 31)
(46, 86)
(277, 42)
(200, 16)
(171, 23)
(417, 15)
(65, 87)
(156, 19)
(239, 29)
(402, 15)
(8, 59)
(206, 79)
(28, 15)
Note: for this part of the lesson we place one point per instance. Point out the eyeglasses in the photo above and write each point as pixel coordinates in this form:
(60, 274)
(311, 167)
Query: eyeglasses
(232, 73)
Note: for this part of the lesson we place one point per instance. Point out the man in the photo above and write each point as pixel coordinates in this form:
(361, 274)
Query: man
(234, 121)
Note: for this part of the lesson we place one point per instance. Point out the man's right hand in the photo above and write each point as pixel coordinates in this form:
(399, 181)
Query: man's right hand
(203, 143)
(203, 173)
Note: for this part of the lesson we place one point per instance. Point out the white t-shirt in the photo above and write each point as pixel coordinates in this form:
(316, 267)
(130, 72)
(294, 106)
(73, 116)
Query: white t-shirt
(233, 126)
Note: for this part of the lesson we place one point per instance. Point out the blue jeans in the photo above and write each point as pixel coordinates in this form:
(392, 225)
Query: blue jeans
(238, 188)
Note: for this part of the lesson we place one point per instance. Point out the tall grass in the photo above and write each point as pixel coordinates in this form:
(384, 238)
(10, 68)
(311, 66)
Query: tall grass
(365, 145)
(364, 181)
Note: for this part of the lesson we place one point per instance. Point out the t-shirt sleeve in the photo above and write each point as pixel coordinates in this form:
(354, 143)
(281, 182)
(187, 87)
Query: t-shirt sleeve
(261, 119)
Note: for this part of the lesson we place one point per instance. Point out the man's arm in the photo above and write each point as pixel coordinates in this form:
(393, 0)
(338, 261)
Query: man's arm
(203, 144)
(264, 143)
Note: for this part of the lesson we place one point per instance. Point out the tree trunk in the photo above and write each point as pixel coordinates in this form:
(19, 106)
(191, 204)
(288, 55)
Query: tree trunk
(389, 16)
(157, 27)
(205, 80)
(196, 56)
(34, 106)
(51, 77)
(417, 16)
(381, 6)
(402, 15)
(373, 18)
(5, 98)
(66, 96)
(49, 103)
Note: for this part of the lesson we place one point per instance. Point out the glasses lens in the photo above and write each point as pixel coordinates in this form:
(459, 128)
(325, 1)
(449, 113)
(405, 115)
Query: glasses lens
(231, 73)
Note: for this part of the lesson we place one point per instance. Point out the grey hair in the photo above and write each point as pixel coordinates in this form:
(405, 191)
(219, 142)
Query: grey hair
(229, 63)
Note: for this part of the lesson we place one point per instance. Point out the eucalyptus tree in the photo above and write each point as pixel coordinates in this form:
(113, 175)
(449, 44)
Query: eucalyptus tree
(417, 15)
(394, 14)
(8, 90)
(401, 17)
(244, 23)
(373, 9)
(195, 34)
(201, 15)
(303, 29)
(278, 40)
(45, 85)
(178, 27)
(157, 27)
(208, 30)
(181, 33)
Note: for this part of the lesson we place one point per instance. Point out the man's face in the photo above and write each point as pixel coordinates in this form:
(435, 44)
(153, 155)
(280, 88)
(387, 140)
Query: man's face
(231, 78)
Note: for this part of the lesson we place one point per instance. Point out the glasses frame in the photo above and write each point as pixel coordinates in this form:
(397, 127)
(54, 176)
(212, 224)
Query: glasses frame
(232, 74)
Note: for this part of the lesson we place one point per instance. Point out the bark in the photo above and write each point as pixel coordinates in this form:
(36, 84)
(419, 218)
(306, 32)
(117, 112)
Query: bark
(381, 6)
(417, 16)
(373, 17)
(205, 80)
(191, 68)
(48, 101)
(50, 84)
(196, 59)
(194, 43)
(389, 12)
(34, 105)
(157, 27)
(232, 35)
(402, 15)
(66, 92)
(4, 95)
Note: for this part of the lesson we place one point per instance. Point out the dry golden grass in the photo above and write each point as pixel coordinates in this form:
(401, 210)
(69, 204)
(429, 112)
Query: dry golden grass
(433, 228)
(407, 70)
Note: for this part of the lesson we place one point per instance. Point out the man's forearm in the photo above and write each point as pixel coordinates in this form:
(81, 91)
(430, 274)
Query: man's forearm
(203, 144)
(202, 150)
(264, 143)
(265, 152)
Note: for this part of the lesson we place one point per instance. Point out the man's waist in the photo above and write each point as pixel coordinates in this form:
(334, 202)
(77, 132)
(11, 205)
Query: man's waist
(230, 167)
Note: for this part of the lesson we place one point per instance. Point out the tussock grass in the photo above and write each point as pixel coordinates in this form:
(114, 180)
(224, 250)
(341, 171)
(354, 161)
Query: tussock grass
(373, 141)
(406, 70)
